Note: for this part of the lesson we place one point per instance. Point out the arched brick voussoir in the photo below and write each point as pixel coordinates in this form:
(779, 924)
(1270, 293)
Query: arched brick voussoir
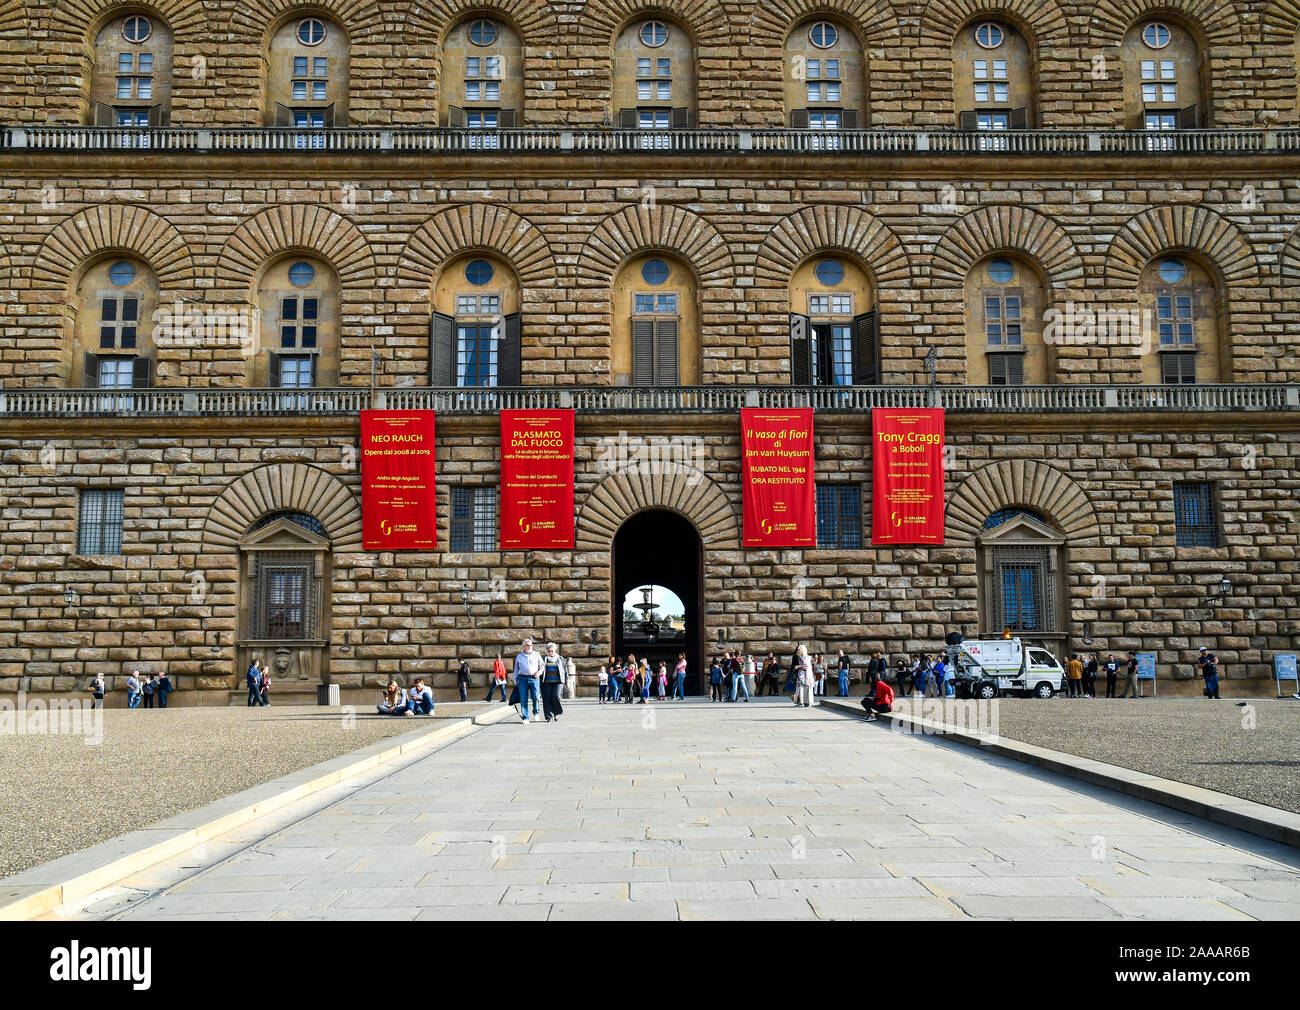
(426, 21)
(1027, 483)
(706, 20)
(1043, 19)
(361, 19)
(875, 20)
(297, 228)
(477, 227)
(278, 487)
(830, 226)
(73, 20)
(1216, 19)
(676, 487)
(662, 227)
(1005, 229)
(1187, 228)
(105, 228)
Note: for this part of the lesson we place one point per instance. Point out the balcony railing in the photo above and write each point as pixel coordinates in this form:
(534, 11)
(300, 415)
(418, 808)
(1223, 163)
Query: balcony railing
(418, 140)
(72, 403)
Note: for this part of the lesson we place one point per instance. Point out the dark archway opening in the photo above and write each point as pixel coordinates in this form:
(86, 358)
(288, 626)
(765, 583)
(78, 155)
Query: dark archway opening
(661, 548)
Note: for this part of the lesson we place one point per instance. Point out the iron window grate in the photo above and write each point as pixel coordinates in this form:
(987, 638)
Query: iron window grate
(99, 525)
(1195, 518)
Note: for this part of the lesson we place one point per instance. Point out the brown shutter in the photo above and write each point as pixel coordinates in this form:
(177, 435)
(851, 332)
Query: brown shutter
(968, 120)
(824, 370)
(155, 116)
(1189, 118)
(314, 359)
(283, 115)
(680, 119)
(849, 119)
(273, 369)
(667, 373)
(1178, 368)
(506, 119)
(90, 371)
(328, 117)
(1015, 369)
(866, 349)
(997, 369)
(510, 352)
(800, 351)
(140, 372)
(643, 352)
(798, 119)
(104, 116)
(1019, 119)
(442, 350)
(455, 117)
(627, 119)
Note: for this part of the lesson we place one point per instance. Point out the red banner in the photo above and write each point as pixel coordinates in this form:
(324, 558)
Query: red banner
(907, 466)
(780, 498)
(536, 479)
(397, 481)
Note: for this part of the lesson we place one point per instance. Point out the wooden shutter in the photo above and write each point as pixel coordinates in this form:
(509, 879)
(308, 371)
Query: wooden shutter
(104, 116)
(824, 372)
(140, 372)
(800, 351)
(798, 119)
(283, 115)
(90, 371)
(1015, 369)
(643, 352)
(849, 119)
(1189, 118)
(506, 119)
(155, 116)
(455, 117)
(968, 120)
(442, 350)
(273, 370)
(627, 119)
(1178, 368)
(510, 353)
(314, 359)
(866, 349)
(680, 119)
(667, 373)
(1019, 119)
(997, 369)
(328, 117)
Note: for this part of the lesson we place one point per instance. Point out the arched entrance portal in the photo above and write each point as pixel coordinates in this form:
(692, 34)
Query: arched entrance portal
(660, 548)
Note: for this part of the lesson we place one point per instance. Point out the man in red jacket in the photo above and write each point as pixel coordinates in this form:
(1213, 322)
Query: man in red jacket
(882, 700)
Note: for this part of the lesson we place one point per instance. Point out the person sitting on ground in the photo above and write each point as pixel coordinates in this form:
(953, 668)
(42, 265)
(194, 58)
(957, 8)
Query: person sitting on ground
(421, 699)
(880, 700)
(394, 701)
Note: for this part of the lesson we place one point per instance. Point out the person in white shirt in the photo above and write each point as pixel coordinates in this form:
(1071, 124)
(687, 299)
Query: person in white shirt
(528, 666)
(803, 678)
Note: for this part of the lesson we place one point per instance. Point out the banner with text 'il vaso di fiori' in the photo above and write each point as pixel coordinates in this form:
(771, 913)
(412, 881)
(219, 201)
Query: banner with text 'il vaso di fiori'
(780, 498)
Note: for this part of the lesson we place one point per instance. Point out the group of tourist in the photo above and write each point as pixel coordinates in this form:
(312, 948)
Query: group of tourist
(633, 681)
(142, 690)
(258, 680)
(1083, 669)
(535, 674)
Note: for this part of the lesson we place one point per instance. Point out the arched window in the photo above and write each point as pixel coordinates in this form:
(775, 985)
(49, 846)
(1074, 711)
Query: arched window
(482, 77)
(1021, 576)
(298, 306)
(1181, 315)
(993, 79)
(115, 303)
(1163, 79)
(1004, 324)
(654, 79)
(307, 76)
(131, 81)
(656, 338)
(834, 326)
(302, 519)
(475, 336)
(825, 78)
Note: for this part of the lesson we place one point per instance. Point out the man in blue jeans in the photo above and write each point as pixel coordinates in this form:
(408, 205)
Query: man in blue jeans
(528, 665)
(844, 674)
(738, 679)
(254, 680)
(421, 698)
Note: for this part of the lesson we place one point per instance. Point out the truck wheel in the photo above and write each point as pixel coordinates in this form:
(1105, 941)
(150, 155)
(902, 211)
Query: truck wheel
(986, 691)
(1044, 690)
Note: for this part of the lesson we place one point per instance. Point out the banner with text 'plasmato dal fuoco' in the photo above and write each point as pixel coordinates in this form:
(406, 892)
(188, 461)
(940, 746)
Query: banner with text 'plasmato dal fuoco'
(397, 481)
(536, 479)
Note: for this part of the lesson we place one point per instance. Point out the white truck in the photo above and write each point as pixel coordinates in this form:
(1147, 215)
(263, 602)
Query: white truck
(988, 667)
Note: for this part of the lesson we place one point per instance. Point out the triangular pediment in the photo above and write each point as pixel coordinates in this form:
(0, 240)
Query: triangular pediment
(1022, 529)
(282, 535)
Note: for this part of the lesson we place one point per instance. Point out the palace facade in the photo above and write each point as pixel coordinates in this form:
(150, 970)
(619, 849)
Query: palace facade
(229, 228)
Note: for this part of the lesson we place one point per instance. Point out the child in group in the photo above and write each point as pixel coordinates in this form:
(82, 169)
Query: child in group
(663, 680)
(604, 683)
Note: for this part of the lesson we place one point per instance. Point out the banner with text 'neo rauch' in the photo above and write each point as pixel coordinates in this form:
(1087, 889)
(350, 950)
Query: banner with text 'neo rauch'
(536, 479)
(907, 472)
(779, 493)
(397, 481)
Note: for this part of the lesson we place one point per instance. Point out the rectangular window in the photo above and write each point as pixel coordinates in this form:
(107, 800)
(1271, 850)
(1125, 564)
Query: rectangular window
(1174, 319)
(295, 371)
(473, 519)
(830, 305)
(478, 305)
(116, 373)
(832, 354)
(476, 354)
(654, 80)
(99, 521)
(839, 516)
(118, 321)
(1159, 82)
(286, 597)
(664, 303)
(135, 76)
(823, 80)
(991, 85)
(1195, 516)
(310, 79)
(1002, 320)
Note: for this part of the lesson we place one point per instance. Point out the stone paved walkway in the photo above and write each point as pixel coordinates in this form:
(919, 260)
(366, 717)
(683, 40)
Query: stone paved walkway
(698, 810)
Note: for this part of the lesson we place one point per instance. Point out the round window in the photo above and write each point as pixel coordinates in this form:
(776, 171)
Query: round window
(301, 274)
(311, 32)
(136, 29)
(989, 35)
(1001, 271)
(829, 272)
(654, 34)
(823, 35)
(483, 32)
(1155, 35)
(478, 272)
(121, 273)
(654, 272)
(1172, 271)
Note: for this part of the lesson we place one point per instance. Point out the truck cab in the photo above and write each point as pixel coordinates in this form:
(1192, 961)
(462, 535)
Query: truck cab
(986, 668)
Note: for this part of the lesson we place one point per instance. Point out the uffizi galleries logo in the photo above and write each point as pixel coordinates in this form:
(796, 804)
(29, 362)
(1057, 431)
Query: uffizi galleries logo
(76, 963)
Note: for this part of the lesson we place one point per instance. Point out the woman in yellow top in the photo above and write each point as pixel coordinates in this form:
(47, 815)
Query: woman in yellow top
(1074, 674)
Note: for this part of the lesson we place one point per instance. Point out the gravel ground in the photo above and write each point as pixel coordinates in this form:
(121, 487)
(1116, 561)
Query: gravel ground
(58, 794)
(1195, 741)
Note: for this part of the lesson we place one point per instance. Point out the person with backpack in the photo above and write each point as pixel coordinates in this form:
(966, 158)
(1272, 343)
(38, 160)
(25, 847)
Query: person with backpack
(147, 689)
(462, 679)
(1090, 670)
(921, 678)
(97, 690)
(497, 679)
(162, 688)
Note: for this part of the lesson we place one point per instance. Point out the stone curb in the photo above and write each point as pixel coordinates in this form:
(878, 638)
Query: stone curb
(1232, 811)
(43, 888)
